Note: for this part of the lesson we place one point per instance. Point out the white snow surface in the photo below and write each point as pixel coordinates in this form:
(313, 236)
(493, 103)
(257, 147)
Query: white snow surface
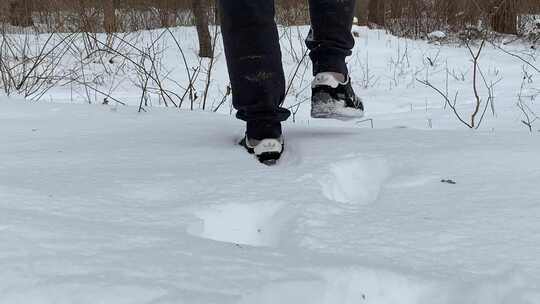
(102, 204)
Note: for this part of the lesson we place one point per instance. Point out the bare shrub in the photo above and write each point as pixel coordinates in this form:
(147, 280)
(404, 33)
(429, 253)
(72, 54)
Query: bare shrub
(474, 119)
(31, 71)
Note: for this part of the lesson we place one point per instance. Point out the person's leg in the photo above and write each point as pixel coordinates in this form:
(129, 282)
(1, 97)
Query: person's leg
(330, 42)
(253, 57)
(330, 39)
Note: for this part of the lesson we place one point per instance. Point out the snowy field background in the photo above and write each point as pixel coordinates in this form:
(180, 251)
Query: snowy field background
(102, 204)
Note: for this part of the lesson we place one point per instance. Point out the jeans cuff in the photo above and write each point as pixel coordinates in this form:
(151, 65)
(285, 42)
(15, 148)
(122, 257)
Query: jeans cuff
(335, 66)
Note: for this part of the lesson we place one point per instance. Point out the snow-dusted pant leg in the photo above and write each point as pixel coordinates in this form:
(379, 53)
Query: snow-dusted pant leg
(330, 39)
(253, 55)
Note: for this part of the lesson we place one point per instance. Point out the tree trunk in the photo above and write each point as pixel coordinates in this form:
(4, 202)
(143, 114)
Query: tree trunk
(109, 16)
(504, 19)
(200, 11)
(167, 13)
(361, 12)
(376, 12)
(396, 8)
(20, 12)
(451, 11)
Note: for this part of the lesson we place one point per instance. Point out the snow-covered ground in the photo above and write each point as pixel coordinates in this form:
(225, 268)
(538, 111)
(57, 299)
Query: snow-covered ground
(101, 204)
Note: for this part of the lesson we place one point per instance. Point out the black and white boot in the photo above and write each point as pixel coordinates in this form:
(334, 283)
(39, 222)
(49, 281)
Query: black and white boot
(334, 99)
(268, 151)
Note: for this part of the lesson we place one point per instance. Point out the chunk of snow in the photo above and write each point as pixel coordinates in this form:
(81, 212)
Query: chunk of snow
(437, 35)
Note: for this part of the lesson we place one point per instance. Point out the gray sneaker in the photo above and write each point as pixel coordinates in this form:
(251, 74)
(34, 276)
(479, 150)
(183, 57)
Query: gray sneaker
(268, 151)
(333, 99)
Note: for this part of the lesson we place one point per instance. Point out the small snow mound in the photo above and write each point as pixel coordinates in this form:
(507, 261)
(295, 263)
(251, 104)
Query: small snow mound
(256, 224)
(437, 35)
(364, 285)
(52, 292)
(355, 180)
(346, 286)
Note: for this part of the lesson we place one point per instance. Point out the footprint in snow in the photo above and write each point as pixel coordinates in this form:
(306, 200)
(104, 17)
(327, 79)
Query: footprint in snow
(355, 180)
(256, 224)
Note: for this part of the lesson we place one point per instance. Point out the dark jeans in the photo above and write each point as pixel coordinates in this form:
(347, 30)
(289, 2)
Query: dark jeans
(253, 55)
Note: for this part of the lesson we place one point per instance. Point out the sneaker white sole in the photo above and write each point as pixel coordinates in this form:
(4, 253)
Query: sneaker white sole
(336, 110)
(267, 151)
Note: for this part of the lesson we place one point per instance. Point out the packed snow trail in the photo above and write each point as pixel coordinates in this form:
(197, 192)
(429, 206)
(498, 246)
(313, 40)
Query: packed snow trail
(100, 204)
